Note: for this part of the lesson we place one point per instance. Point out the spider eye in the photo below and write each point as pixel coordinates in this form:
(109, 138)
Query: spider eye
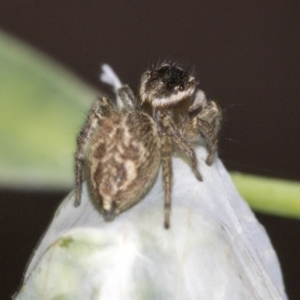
(181, 87)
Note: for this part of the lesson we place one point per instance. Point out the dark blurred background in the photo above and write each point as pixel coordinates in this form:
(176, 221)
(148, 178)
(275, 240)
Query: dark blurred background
(246, 56)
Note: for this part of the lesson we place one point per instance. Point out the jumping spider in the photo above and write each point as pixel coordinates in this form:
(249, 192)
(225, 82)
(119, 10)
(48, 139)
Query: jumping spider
(120, 150)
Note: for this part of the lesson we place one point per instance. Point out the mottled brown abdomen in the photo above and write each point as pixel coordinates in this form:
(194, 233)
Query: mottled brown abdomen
(123, 160)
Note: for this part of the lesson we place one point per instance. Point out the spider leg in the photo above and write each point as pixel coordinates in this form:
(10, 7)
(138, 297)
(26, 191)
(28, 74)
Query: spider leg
(169, 135)
(126, 95)
(207, 131)
(207, 124)
(101, 107)
(166, 161)
(213, 115)
(167, 125)
(185, 147)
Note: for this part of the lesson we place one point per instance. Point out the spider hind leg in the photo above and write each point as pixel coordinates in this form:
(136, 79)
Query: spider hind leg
(98, 111)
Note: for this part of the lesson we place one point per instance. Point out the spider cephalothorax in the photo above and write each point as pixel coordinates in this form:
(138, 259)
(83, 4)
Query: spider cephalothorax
(119, 151)
(166, 85)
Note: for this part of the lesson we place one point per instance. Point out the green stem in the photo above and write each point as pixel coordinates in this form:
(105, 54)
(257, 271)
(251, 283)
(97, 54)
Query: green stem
(275, 196)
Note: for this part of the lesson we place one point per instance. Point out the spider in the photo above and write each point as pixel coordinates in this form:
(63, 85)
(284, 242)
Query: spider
(120, 151)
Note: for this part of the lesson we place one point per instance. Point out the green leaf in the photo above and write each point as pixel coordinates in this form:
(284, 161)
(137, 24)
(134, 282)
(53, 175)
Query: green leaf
(42, 108)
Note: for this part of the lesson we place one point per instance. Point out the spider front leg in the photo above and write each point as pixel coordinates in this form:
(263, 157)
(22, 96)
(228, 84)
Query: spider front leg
(169, 136)
(100, 108)
(205, 124)
(166, 162)
(181, 142)
(212, 114)
(209, 122)
(186, 148)
(207, 132)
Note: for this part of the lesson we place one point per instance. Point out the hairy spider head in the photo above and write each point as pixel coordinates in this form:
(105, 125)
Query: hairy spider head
(166, 85)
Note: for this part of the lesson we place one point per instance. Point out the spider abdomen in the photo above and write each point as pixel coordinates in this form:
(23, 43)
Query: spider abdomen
(123, 160)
